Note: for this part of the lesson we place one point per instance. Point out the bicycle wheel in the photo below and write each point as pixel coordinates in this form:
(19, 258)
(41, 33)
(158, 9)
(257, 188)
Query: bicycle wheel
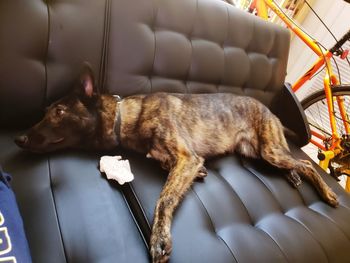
(316, 110)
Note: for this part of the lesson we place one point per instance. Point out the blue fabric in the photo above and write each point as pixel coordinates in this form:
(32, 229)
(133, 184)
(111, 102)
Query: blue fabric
(13, 242)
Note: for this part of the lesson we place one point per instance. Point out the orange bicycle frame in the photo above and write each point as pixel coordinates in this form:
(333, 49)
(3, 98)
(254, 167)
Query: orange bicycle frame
(330, 79)
(261, 6)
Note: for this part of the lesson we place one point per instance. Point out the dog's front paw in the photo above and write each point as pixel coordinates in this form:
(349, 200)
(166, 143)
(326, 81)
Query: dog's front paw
(160, 247)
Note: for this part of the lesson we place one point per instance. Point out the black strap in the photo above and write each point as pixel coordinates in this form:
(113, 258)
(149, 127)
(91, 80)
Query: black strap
(118, 121)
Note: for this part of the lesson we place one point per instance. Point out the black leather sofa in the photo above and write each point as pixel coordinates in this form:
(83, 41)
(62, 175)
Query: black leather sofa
(243, 211)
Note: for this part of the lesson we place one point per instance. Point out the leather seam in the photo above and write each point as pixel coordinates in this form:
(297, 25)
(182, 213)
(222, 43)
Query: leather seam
(282, 212)
(55, 207)
(190, 39)
(212, 224)
(330, 220)
(311, 233)
(139, 203)
(134, 218)
(223, 179)
(253, 225)
(46, 56)
(257, 175)
(153, 27)
(223, 49)
(105, 47)
(144, 235)
(299, 222)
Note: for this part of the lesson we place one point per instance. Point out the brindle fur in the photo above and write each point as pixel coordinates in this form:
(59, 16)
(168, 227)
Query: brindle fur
(178, 130)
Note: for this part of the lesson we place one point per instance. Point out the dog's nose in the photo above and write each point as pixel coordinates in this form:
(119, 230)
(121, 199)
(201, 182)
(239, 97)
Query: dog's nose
(21, 140)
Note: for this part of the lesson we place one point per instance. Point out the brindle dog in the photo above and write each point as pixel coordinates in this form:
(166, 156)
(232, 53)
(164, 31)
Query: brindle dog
(178, 130)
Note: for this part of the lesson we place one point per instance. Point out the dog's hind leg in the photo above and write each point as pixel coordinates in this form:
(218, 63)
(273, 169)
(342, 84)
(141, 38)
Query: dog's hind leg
(181, 177)
(274, 149)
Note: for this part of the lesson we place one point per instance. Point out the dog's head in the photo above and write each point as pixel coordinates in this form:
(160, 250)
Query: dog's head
(68, 121)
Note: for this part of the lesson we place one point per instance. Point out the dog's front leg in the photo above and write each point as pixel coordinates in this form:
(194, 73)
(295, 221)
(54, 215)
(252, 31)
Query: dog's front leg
(179, 181)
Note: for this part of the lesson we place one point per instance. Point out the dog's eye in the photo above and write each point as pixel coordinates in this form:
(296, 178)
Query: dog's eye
(59, 111)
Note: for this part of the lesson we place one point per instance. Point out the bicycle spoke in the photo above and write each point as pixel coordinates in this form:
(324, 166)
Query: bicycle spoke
(338, 116)
(320, 129)
(318, 117)
(322, 117)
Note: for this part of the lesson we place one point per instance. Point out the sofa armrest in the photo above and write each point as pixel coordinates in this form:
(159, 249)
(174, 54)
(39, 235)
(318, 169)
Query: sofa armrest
(288, 109)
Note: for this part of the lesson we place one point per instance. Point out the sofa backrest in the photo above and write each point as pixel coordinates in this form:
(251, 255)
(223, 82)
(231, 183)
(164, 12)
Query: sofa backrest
(134, 46)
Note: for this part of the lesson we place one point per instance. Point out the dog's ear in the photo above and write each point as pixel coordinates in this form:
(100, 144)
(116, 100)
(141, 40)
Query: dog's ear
(86, 85)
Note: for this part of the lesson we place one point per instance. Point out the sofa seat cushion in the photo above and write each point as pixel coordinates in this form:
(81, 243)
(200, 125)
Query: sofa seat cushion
(245, 211)
(71, 213)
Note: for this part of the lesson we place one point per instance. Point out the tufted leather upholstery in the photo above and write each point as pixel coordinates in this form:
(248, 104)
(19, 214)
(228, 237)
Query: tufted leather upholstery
(193, 46)
(183, 46)
(244, 211)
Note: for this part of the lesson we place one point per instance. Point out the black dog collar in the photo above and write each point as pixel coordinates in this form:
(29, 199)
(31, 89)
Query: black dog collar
(117, 122)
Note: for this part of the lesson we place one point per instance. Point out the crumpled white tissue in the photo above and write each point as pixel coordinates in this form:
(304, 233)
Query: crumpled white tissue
(116, 169)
